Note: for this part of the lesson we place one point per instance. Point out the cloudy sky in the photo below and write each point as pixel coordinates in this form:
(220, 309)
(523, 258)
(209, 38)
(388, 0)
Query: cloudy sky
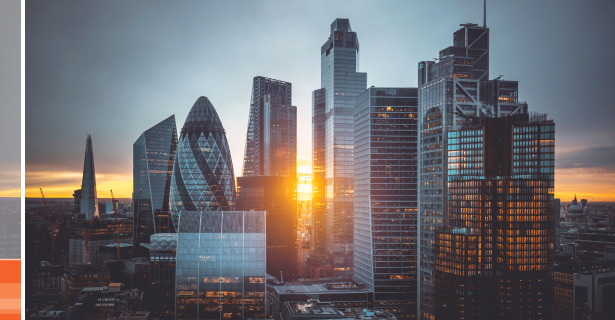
(116, 68)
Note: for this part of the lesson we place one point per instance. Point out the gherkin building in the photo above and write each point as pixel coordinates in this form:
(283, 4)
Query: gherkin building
(203, 178)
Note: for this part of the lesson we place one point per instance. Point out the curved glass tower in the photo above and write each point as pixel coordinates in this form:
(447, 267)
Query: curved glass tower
(203, 178)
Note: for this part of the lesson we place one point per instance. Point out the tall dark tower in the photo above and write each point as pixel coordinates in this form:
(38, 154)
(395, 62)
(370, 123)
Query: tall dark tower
(265, 92)
(89, 200)
(153, 159)
(203, 177)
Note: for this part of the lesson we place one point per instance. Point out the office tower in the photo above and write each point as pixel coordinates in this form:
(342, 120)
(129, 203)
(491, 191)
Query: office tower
(494, 253)
(89, 201)
(276, 196)
(451, 88)
(319, 214)
(385, 197)
(221, 265)
(162, 255)
(268, 96)
(583, 203)
(77, 201)
(152, 167)
(340, 84)
(203, 177)
(280, 139)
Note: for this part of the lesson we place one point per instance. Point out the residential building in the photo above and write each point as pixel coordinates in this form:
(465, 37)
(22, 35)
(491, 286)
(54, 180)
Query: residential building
(385, 197)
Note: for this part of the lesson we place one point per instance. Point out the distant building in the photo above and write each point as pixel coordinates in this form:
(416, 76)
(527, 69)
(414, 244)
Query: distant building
(315, 310)
(575, 214)
(153, 160)
(81, 276)
(385, 197)
(77, 201)
(557, 221)
(583, 203)
(203, 177)
(89, 200)
(277, 197)
(221, 265)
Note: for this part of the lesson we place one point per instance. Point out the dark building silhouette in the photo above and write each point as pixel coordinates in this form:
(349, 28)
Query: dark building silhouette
(268, 95)
(385, 197)
(278, 198)
(77, 201)
(153, 159)
(89, 200)
(203, 177)
(319, 214)
(495, 252)
(162, 257)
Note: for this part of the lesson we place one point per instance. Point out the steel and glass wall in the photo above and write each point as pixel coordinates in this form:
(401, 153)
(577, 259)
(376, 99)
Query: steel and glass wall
(89, 199)
(254, 154)
(153, 159)
(280, 138)
(385, 197)
(494, 256)
(203, 177)
(342, 83)
(319, 214)
(161, 295)
(221, 265)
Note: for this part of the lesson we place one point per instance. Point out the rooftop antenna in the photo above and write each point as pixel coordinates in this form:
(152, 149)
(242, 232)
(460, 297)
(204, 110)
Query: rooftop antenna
(484, 13)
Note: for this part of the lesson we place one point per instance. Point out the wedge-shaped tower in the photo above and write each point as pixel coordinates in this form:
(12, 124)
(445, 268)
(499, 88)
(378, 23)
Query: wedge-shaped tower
(153, 158)
(89, 200)
(203, 178)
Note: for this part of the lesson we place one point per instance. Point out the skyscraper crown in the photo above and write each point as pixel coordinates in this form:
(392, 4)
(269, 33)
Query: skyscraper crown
(202, 116)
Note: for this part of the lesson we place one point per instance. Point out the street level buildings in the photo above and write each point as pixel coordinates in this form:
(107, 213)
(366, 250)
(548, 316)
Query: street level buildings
(153, 159)
(89, 200)
(340, 84)
(203, 177)
(221, 265)
(385, 197)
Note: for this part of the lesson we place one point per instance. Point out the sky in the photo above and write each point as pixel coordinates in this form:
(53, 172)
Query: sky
(116, 68)
(10, 99)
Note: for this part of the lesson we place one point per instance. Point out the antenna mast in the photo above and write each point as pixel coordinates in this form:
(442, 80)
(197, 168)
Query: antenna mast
(484, 13)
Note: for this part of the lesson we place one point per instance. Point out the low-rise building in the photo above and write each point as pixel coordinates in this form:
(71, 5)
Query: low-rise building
(594, 294)
(316, 310)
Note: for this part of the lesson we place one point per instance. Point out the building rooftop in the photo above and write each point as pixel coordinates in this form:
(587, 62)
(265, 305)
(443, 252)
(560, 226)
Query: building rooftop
(326, 310)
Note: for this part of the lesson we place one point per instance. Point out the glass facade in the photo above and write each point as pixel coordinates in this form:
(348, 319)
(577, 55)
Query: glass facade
(161, 295)
(203, 177)
(153, 158)
(319, 214)
(89, 200)
(221, 265)
(255, 152)
(280, 138)
(385, 197)
(277, 196)
(495, 254)
(342, 83)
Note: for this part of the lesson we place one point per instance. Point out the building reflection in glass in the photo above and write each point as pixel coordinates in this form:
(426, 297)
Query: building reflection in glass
(221, 265)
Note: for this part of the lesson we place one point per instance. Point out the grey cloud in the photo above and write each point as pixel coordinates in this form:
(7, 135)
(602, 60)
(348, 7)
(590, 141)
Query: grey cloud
(601, 157)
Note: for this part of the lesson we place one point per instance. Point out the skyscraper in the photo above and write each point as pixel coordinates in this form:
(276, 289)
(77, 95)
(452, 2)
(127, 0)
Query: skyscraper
(276, 196)
(280, 139)
(221, 265)
(203, 177)
(451, 89)
(495, 253)
(153, 159)
(89, 200)
(385, 197)
(340, 84)
(268, 97)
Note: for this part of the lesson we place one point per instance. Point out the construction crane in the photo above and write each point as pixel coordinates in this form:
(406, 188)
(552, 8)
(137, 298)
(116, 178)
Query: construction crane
(50, 227)
(117, 228)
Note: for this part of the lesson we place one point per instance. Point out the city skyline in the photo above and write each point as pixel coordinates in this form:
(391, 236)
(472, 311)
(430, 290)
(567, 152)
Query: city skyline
(52, 161)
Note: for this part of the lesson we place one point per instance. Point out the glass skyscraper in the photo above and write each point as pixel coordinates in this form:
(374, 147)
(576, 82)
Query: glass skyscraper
(221, 265)
(89, 200)
(450, 90)
(280, 138)
(203, 177)
(385, 197)
(341, 83)
(153, 158)
(162, 256)
(495, 252)
(268, 97)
